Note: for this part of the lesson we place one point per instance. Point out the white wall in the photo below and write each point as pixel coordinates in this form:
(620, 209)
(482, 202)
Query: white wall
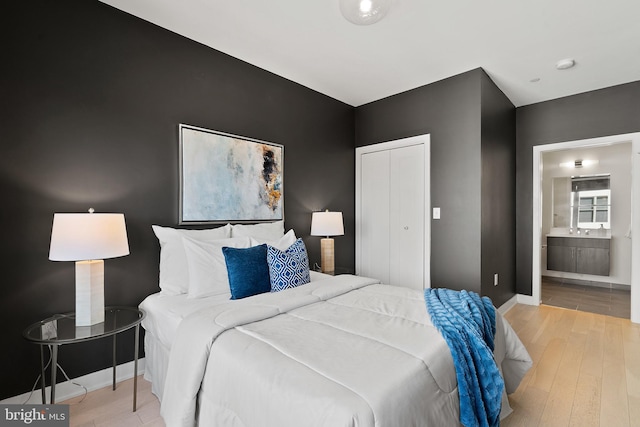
(616, 161)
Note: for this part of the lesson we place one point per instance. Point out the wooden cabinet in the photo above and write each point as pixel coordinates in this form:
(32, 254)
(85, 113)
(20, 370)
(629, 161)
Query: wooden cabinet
(560, 257)
(579, 255)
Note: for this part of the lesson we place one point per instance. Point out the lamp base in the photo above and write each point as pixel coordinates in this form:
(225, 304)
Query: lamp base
(327, 255)
(89, 292)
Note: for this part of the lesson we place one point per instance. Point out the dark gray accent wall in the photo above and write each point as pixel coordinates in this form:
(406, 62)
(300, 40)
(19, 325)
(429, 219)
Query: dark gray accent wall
(610, 111)
(498, 193)
(91, 102)
(448, 110)
(468, 134)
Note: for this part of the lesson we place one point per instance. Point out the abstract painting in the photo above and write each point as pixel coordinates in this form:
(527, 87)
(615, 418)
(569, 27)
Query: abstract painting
(229, 178)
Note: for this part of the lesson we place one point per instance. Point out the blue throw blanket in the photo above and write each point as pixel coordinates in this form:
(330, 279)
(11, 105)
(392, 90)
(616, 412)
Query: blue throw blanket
(468, 325)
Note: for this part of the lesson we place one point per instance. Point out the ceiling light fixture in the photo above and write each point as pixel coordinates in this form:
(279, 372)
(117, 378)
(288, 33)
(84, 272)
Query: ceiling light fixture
(364, 12)
(565, 64)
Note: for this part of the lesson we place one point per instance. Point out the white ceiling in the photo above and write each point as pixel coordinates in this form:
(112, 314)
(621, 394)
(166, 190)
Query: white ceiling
(419, 42)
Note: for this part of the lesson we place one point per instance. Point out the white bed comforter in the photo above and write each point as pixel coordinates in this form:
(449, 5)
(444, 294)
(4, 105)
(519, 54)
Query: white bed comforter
(338, 352)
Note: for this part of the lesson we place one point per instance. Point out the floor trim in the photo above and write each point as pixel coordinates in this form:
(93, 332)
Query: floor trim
(504, 308)
(528, 299)
(67, 390)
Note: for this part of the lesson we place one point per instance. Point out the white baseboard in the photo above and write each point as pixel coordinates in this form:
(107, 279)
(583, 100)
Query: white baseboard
(517, 299)
(67, 390)
(527, 299)
(504, 308)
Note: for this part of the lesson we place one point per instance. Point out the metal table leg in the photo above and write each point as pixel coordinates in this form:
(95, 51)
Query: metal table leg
(54, 369)
(43, 382)
(135, 367)
(114, 362)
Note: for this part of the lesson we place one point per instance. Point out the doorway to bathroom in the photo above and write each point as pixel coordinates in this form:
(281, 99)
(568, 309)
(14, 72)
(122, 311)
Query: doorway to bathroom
(586, 213)
(580, 226)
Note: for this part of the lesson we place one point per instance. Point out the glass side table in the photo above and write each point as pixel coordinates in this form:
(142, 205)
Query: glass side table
(61, 329)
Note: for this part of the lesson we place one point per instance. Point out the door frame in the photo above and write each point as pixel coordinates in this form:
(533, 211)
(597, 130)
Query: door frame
(424, 140)
(536, 270)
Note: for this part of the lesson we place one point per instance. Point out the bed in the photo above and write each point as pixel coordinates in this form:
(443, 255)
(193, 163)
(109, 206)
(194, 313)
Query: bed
(337, 351)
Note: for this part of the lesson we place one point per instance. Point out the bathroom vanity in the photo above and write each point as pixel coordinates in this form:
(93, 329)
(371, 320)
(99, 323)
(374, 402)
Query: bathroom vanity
(580, 238)
(579, 254)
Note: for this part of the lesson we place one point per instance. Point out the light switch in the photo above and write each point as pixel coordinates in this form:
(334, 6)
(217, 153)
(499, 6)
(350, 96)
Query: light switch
(436, 213)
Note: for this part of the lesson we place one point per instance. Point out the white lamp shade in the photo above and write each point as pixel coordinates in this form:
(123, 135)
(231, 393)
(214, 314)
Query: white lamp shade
(88, 236)
(327, 224)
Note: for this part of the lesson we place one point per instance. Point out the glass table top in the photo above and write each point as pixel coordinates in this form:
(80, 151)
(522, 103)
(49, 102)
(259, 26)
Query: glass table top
(61, 328)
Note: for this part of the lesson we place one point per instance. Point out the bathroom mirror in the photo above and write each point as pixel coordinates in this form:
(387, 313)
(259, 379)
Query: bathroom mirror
(562, 202)
(582, 202)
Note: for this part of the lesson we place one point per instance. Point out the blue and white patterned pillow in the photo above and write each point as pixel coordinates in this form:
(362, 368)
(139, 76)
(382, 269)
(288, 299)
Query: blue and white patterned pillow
(290, 268)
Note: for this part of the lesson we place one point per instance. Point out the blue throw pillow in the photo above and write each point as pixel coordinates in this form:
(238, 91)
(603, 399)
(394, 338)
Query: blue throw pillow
(247, 270)
(290, 268)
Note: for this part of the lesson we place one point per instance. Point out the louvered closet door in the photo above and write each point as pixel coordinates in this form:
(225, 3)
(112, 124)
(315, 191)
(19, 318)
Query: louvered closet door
(406, 216)
(374, 221)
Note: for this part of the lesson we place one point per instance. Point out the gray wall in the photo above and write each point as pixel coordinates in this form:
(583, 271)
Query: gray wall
(610, 111)
(91, 102)
(498, 193)
(471, 127)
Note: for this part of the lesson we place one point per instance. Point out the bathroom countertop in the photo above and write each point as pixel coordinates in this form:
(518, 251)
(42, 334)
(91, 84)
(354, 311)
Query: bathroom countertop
(591, 235)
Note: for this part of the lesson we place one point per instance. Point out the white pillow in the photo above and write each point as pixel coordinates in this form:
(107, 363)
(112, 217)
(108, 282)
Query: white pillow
(282, 243)
(264, 231)
(207, 268)
(174, 273)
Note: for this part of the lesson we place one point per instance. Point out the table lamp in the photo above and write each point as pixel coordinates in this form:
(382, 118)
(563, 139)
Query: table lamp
(327, 224)
(88, 239)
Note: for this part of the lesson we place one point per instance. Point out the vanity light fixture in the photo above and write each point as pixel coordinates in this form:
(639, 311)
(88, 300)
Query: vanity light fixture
(578, 163)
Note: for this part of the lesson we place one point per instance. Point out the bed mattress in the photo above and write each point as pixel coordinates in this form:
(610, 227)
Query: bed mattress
(343, 351)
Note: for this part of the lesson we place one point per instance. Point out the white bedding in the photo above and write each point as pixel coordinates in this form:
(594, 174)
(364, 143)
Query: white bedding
(164, 313)
(344, 351)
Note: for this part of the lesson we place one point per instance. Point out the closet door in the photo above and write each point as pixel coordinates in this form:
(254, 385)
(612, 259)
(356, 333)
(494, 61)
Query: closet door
(374, 220)
(392, 231)
(406, 216)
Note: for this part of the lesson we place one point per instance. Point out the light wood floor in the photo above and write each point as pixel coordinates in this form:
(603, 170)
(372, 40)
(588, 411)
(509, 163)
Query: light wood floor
(586, 372)
(113, 408)
(586, 369)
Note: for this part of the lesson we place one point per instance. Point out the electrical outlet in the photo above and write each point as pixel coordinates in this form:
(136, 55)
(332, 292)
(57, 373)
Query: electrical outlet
(495, 279)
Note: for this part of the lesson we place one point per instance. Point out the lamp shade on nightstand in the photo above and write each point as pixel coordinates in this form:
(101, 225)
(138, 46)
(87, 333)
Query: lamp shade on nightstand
(87, 236)
(327, 224)
(88, 239)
